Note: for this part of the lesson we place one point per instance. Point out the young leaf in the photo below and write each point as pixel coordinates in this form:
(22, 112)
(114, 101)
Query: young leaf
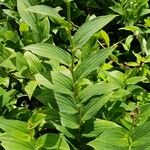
(86, 31)
(103, 35)
(50, 51)
(92, 63)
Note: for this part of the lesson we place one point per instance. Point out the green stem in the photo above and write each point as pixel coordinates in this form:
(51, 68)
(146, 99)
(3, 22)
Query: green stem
(68, 11)
(76, 86)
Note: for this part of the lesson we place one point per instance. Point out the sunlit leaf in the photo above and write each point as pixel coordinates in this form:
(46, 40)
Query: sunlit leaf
(86, 31)
(50, 51)
(92, 63)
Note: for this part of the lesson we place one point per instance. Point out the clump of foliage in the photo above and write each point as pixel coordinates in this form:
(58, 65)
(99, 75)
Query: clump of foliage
(73, 76)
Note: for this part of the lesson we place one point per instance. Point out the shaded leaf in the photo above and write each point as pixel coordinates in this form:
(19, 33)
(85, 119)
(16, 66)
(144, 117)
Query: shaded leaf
(99, 126)
(52, 141)
(89, 110)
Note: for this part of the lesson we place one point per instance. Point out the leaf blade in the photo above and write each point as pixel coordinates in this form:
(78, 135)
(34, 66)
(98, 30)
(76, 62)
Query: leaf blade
(86, 31)
(48, 11)
(50, 51)
(92, 63)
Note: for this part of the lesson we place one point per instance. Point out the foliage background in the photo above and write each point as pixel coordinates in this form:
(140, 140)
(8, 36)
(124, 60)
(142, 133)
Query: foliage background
(70, 79)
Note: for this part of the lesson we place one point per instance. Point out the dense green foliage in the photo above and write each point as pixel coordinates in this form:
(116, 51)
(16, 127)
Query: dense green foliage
(74, 75)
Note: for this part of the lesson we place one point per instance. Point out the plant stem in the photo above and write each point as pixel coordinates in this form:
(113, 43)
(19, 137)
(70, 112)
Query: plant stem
(68, 11)
(75, 94)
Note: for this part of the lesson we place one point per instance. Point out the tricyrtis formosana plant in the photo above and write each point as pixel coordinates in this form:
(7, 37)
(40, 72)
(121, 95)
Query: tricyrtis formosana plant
(62, 85)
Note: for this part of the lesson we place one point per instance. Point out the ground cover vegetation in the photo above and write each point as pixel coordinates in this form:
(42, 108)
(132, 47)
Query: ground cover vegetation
(74, 75)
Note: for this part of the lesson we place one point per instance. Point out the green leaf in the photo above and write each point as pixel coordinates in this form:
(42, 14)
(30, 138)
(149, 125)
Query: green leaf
(23, 27)
(113, 139)
(117, 8)
(99, 126)
(52, 141)
(27, 17)
(133, 29)
(63, 130)
(11, 13)
(91, 109)
(48, 11)
(15, 128)
(145, 11)
(86, 31)
(33, 61)
(62, 83)
(140, 137)
(66, 104)
(134, 80)
(20, 61)
(5, 58)
(44, 27)
(144, 113)
(51, 52)
(7, 96)
(141, 144)
(41, 80)
(105, 37)
(142, 131)
(9, 142)
(116, 77)
(69, 120)
(38, 118)
(121, 93)
(92, 63)
(95, 90)
(46, 96)
(30, 88)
